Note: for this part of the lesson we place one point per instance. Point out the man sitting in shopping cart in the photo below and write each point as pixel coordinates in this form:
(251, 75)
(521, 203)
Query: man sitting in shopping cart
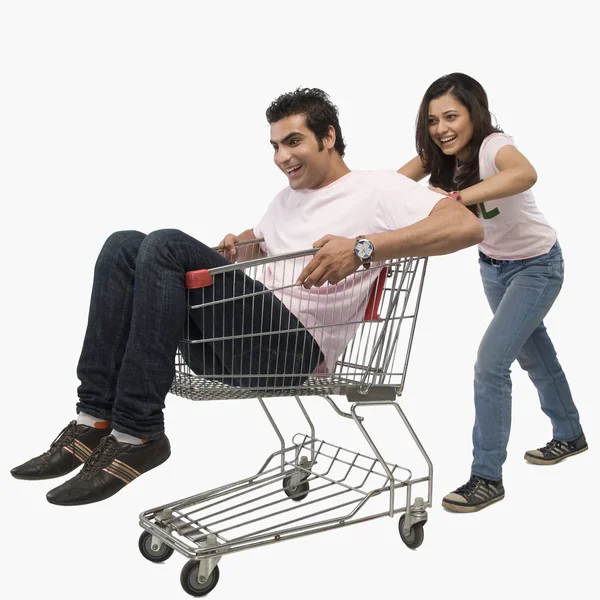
(273, 330)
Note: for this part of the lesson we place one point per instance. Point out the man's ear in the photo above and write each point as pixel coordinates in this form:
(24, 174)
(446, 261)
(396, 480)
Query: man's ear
(329, 139)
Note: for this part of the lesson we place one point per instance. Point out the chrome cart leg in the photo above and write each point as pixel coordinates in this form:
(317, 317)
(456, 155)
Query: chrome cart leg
(341, 412)
(207, 565)
(410, 525)
(371, 443)
(274, 425)
(380, 458)
(282, 439)
(423, 453)
(312, 434)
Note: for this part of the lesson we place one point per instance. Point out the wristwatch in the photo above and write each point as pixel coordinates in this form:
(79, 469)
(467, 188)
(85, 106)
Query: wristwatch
(363, 248)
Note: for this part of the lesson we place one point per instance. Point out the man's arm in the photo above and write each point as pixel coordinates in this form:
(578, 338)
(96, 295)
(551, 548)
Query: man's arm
(448, 227)
(243, 253)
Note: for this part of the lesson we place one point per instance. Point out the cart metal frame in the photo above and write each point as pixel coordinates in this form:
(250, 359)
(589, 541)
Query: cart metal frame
(309, 485)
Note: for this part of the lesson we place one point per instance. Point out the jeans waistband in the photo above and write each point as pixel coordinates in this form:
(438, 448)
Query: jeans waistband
(496, 262)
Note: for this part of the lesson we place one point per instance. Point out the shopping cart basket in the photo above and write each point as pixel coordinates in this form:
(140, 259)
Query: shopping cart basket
(309, 485)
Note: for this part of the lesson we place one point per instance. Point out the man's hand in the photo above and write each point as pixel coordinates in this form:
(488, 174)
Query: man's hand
(228, 243)
(334, 261)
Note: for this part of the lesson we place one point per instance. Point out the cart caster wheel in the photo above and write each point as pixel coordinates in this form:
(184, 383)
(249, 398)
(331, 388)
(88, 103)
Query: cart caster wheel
(298, 492)
(189, 579)
(415, 538)
(157, 556)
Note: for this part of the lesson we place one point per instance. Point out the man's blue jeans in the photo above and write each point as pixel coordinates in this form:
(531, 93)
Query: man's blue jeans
(520, 294)
(137, 315)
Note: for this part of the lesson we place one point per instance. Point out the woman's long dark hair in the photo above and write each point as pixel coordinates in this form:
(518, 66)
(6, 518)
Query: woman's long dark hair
(441, 168)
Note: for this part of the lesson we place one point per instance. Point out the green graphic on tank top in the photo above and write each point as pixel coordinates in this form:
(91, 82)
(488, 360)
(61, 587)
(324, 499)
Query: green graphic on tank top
(488, 215)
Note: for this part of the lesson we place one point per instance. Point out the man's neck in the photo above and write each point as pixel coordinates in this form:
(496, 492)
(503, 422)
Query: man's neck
(337, 171)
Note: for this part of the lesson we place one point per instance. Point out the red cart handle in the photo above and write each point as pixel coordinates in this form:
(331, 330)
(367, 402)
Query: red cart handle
(198, 279)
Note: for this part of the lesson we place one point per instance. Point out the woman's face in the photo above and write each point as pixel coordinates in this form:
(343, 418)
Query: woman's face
(450, 126)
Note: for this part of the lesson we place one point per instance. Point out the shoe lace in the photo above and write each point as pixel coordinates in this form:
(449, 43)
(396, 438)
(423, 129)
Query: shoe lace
(470, 486)
(101, 457)
(551, 444)
(64, 438)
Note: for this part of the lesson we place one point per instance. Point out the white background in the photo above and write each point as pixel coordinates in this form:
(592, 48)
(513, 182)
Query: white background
(147, 115)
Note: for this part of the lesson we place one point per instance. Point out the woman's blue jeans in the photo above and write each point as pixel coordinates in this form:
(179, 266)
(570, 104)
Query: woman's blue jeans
(520, 294)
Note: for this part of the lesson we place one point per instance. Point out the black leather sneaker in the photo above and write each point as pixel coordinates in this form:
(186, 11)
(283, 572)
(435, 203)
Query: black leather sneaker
(555, 451)
(73, 445)
(476, 494)
(109, 469)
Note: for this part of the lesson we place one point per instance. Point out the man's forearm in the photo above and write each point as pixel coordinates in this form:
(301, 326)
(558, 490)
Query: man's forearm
(444, 231)
(247, 235)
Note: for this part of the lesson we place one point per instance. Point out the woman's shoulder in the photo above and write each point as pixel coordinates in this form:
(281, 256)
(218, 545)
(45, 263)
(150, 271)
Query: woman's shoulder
(493, 142)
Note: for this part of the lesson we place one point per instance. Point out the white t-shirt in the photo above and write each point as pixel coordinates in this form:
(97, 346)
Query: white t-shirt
(514, 228)
(359, 203)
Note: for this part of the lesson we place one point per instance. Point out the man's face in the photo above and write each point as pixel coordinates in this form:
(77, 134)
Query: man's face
(297, 153)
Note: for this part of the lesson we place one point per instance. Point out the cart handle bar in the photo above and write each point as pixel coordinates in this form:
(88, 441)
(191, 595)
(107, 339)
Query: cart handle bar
(204, 277)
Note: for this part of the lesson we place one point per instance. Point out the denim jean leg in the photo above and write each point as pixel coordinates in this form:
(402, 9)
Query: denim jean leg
(520, 294)
(256, 338)
(108, 323)
(157, 322)
(158, 316)
(538, 358)
(492, 392)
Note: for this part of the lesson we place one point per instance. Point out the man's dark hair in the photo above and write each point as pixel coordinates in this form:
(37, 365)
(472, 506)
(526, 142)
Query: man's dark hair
(318, 109)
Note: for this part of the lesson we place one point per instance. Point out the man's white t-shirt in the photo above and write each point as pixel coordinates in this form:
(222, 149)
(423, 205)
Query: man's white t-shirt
(514, 228)
(359, 203)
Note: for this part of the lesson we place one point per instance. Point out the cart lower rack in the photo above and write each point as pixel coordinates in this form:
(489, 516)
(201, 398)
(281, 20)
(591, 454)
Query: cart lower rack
(309, 485)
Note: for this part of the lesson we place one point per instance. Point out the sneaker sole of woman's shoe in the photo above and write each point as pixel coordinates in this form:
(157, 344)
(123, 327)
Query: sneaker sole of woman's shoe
(469, 508)
(536, 460)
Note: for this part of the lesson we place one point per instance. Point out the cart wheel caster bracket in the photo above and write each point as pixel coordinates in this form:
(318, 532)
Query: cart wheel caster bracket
(295, 492)
(414, 538)
(193, 580)
(153, 549)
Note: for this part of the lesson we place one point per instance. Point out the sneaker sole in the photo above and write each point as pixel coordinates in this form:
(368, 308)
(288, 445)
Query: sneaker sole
(43, 477)
(466, 508)
(535, 460)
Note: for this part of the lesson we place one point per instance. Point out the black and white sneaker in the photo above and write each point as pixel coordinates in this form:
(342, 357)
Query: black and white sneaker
(476, 494)
(555, 451)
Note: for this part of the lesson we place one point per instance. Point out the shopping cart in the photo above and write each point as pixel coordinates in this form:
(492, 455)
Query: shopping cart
(309, 485)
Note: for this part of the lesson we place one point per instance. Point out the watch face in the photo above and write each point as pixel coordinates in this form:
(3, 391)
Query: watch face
(363, 249)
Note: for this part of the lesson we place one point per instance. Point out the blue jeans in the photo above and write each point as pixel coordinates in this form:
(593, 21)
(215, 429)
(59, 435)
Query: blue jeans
(520, 294)
(137, 314)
